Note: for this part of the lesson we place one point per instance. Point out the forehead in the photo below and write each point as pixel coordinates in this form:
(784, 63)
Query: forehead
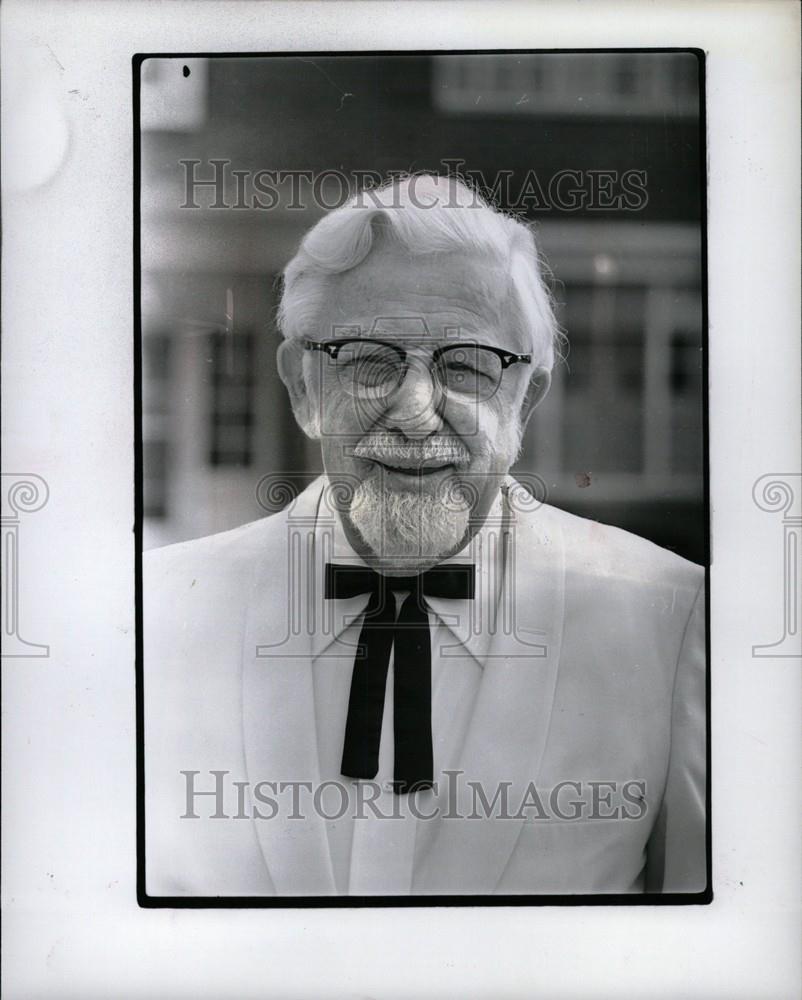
(392, 293)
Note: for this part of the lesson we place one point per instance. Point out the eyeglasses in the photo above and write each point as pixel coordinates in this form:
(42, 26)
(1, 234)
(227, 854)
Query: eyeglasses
(376, 368)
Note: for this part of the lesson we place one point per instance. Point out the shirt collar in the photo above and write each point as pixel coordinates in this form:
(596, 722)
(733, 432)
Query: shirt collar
(471, 624)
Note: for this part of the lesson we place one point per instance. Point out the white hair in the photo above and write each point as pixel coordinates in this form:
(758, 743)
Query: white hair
(425, 214)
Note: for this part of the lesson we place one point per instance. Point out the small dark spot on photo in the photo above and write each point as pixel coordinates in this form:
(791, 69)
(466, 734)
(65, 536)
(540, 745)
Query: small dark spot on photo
(186, 71)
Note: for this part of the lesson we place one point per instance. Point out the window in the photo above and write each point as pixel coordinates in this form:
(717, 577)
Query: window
(154, 492)
(231, 410)
(604, 384)
(157, 370)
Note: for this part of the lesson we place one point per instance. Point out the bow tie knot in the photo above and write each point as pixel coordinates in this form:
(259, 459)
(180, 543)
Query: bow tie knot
(455, 582)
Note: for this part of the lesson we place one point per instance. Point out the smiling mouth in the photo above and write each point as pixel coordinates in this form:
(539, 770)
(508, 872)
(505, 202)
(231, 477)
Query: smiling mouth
(425, 468)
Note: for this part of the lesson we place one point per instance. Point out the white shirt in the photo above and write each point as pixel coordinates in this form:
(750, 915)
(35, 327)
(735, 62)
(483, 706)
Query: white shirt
(376, 854)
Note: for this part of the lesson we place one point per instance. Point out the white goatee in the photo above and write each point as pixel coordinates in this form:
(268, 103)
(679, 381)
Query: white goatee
(406, 525)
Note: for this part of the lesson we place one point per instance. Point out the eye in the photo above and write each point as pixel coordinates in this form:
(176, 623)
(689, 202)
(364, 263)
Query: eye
(470, 371)
(463, 366)
(369, 366)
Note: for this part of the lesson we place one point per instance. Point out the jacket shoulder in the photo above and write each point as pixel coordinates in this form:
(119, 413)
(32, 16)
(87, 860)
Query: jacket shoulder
(231, 544)
(236, 547)
(229, 555)
(602, 551)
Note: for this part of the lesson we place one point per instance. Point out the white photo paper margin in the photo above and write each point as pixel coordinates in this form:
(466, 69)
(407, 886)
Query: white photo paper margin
(72, 923)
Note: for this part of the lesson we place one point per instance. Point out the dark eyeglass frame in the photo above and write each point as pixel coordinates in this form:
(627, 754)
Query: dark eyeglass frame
(333, 348)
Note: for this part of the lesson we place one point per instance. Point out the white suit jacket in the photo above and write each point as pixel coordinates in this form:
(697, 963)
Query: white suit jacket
(594, 672)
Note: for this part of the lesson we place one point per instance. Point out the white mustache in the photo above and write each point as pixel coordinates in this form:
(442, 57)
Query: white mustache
(392, 448)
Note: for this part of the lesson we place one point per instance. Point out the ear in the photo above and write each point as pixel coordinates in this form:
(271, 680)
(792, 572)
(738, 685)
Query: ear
(290, 358)
(535, 392)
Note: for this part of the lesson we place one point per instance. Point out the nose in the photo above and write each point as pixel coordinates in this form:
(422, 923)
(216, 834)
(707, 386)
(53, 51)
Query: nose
(413, 407)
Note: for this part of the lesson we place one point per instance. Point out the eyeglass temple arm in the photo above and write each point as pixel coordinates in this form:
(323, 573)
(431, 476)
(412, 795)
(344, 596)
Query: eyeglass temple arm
(314, 345)
(512, 359)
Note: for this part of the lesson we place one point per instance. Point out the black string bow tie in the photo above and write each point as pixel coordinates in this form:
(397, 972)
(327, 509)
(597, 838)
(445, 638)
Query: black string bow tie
(412, 676)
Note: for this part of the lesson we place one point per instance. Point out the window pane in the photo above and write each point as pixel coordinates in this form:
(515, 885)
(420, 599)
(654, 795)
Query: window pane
(231, 416)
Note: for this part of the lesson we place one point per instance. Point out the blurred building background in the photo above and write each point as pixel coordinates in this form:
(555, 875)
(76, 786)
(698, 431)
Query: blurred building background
(620, 436)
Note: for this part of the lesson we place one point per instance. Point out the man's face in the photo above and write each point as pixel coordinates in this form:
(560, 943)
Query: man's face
(423, 460)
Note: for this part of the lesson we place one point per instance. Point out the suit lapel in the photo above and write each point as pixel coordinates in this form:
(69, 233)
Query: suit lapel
(507, 734)
(278, 701)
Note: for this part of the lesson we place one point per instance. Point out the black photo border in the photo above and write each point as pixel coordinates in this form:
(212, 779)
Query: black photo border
(335, 902)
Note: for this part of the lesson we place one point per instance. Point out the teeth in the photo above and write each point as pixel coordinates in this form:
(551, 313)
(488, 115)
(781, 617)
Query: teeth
(403, 456)
(414, 468)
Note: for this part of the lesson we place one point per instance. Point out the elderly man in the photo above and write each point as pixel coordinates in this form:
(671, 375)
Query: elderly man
(415, 679)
